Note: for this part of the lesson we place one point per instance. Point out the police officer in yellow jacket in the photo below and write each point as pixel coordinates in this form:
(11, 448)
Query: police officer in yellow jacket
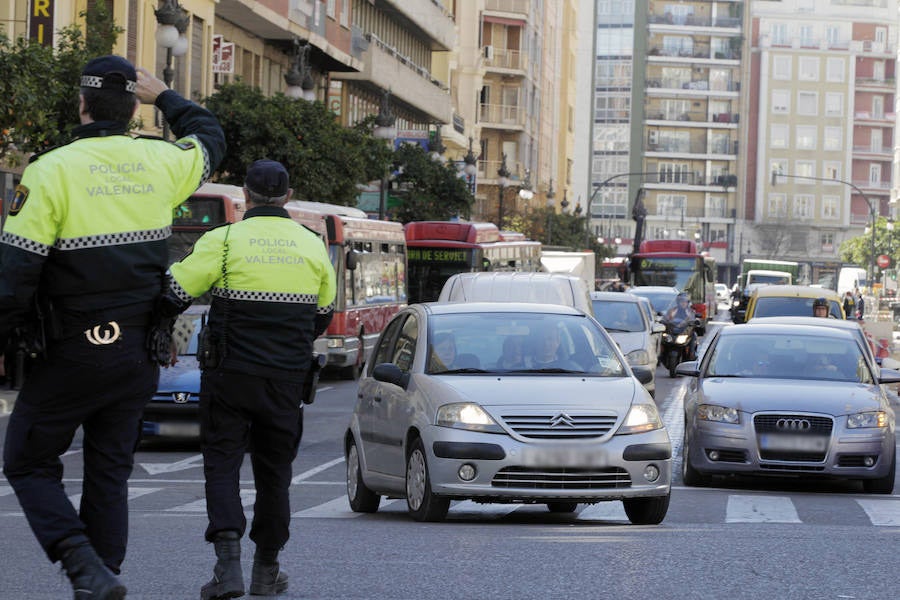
(82, 263)
(273, 290)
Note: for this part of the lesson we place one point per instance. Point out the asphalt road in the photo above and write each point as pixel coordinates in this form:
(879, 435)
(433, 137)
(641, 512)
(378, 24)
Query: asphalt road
(744, 539)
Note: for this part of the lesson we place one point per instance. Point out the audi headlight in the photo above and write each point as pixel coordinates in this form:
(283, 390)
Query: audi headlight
(466, 415)
(867, 419)
(641, 418)
(682, 338)
(638, 357)
(719, 414)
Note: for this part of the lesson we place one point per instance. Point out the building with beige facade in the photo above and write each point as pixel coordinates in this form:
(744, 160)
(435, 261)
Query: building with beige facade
(822, 118)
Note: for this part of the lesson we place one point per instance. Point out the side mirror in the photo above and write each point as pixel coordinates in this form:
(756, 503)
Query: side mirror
(658, 327)
(390, 373)
(642, 373)
(689, 368)
(352, 260)
(888, 376)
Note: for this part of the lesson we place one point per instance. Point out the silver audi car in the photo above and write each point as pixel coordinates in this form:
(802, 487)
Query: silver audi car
(507, 403)
(789, 400)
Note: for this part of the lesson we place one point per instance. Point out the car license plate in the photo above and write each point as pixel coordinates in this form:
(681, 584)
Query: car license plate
(793, 443)
(179, 429)
(563, 456)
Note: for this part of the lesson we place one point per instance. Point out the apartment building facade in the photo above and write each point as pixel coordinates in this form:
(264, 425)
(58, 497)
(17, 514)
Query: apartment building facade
(822, 117)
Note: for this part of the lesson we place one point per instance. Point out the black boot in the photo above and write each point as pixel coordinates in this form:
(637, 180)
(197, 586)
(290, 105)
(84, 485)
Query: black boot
(267, 579)
(91, 579)
(228, 580)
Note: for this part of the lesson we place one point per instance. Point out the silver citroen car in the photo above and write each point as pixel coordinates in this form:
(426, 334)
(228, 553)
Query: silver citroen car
(504, 403)
(789, 400)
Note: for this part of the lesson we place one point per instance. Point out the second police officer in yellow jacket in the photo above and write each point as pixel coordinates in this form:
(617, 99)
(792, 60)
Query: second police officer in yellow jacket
(273, 290)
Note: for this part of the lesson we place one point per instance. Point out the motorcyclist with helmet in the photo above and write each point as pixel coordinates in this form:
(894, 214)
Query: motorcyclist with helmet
(680, 339)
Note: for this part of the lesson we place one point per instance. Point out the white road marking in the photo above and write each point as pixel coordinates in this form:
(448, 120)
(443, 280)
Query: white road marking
(603, 511)
(882, 513)
(248, 497)
(316, 470)
(5, 490)
(339, 508)
(190, 462)
(468, 507)
(133, 492)
(760, 509)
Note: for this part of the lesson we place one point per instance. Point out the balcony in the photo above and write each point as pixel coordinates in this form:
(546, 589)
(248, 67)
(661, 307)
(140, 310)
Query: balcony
(865, 115)
(522, 7)
(694, 21)
(502, 116)
(412, 84)
(727, 149)
(430, 18)
(504, 59)
(703, 51)
(886, 151)
(487, 171)
(721, 120)
(878, 187)
(701, 86)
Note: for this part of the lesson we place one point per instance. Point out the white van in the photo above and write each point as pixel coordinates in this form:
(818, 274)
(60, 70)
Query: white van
(851, 278)
(516, 286)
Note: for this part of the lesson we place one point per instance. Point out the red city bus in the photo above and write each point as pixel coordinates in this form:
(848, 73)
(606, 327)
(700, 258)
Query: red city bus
(676, 263)
(369, 258)
(438, 249)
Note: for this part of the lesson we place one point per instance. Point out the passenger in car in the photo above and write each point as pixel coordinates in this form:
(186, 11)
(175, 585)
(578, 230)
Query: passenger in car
(513, 356)
(546, 352)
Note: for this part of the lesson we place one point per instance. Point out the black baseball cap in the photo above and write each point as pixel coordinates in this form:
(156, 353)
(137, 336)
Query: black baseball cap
(268, 178)
(109, 73)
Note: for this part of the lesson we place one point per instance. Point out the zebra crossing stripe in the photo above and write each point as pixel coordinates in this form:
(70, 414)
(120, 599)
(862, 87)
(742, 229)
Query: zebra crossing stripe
(339, 508)
(133, 493)
(760, 509)
(248, 497)
(603, 511)
(5, 490)
(882, 513)
(470, 508)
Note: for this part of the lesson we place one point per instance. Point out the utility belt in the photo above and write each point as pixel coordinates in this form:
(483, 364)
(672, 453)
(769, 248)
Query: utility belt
(49, 324)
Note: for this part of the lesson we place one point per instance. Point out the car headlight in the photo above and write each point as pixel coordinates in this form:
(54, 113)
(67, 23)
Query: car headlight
(638, 357)
(682, 339)
(867, 419)
(466, 415)
(641, 418)
(335, 342)
(719, 414)
(667, 338)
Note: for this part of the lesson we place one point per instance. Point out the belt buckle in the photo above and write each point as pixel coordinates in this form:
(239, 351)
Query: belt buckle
(104, 334)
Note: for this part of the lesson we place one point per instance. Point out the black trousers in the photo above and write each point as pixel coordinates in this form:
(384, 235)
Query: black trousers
(240, 411)
(104, 390)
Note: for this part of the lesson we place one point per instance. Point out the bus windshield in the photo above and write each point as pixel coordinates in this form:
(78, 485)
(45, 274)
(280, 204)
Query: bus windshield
(665, 271)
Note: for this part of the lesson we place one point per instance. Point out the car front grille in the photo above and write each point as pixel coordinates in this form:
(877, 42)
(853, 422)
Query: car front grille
(560, 425)
(797, 426)
(562, 479)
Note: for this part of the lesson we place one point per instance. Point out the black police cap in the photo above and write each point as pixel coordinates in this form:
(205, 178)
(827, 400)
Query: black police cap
(109, 73)
(820, 302)
(268, 178)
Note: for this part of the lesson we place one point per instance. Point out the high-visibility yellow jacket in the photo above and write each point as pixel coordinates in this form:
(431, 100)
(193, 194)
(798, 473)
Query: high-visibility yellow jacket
(90, 219)
(273, 289)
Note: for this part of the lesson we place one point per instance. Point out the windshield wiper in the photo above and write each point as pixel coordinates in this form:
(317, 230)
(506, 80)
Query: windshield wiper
(462, 370)
(620, 330)
(708, 376)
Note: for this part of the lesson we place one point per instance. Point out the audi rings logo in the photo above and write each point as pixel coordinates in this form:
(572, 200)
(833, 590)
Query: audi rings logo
(793, 424)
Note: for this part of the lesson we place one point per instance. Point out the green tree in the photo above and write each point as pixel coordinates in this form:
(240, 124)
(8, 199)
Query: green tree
(40, 84)
(429, 190)
(858, 250)
(326, 161)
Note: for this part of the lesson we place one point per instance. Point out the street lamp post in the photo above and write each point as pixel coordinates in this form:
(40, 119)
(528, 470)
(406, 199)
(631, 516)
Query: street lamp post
(551, 205)
(503, 180)
(172, 22)
(384, 130)
(872, 211)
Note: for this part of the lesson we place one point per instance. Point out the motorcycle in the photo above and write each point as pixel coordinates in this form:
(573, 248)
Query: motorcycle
(679, 343)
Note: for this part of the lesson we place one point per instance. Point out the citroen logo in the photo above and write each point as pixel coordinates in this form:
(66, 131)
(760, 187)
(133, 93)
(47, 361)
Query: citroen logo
(562, 419)
(180, 397)
(101, 335)
(793, 424)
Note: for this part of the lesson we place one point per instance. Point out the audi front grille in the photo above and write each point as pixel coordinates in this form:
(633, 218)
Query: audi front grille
(799, 427)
